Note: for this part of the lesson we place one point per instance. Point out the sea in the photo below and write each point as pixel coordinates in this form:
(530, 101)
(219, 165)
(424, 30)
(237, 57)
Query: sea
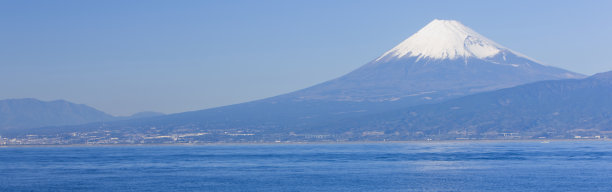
(411, 166)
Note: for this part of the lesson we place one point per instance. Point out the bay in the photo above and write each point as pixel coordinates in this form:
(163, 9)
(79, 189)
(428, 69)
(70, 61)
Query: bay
(412, 166)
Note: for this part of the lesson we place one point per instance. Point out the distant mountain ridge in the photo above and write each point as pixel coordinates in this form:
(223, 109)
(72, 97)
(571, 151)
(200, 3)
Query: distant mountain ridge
(144, 114)
(31, 113)
(28, 113)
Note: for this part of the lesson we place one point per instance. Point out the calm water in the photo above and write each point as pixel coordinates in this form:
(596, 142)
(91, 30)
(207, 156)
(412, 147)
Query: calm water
(525, 166)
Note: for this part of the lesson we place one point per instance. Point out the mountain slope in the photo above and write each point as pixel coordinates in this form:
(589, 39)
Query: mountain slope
(562, 108)
(29, 113)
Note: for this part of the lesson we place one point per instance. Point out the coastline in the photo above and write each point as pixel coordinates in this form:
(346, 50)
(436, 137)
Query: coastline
(317, 143)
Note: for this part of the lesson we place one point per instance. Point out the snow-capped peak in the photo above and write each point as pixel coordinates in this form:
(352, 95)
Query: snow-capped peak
(444, 39)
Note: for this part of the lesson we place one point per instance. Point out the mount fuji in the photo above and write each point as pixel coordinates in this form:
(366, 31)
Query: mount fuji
(443, 60)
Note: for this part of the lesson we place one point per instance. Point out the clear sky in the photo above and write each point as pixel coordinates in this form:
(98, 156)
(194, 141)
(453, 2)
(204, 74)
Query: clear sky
(124, 57)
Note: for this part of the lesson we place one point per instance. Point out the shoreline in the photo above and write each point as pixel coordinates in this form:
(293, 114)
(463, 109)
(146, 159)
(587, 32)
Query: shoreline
(312, 143)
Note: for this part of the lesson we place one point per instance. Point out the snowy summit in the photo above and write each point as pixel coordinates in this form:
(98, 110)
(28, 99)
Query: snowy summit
(445, 39)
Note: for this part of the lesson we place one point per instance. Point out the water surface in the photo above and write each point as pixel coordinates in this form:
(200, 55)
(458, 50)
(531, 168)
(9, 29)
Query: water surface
(446, 166)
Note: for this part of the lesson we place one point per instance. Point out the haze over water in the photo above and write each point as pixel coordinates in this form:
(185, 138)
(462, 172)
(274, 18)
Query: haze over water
(426, 166)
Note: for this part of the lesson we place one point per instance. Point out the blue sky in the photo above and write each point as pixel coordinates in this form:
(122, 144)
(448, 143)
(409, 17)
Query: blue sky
(124, 57)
